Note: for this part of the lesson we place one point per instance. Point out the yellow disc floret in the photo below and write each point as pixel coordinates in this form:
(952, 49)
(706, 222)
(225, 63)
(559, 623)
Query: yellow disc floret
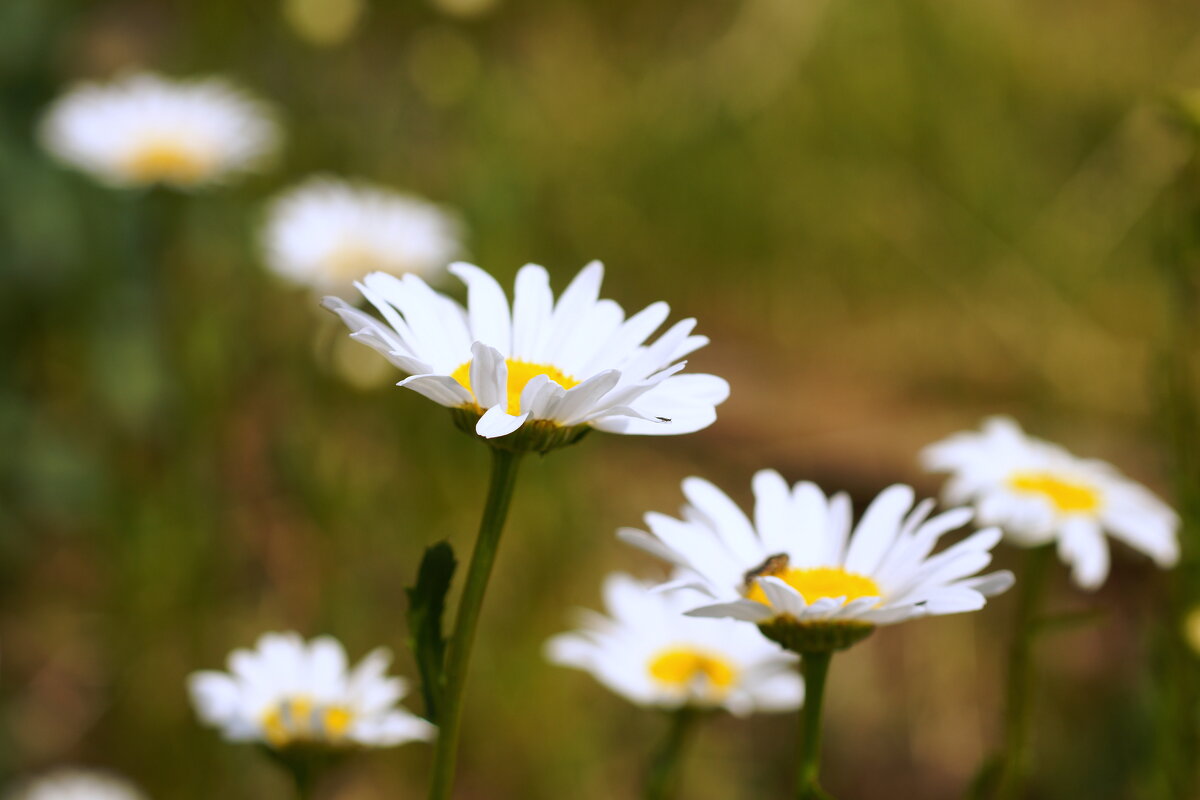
(681, 667)
(351, 260)
(168, 162)
(817, 582)
(519, 374)
(297, 720)
(1065, 495)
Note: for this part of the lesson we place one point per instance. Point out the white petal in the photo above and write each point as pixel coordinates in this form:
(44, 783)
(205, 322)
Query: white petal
(574, 306)
(772, 511)
(954, 600)
(497, 422)
(487, 307)
(441, 389)
(784, 598)
(877, 530)
(1155, 534)
(532, 304)
(651, 544)
(215, 695)
(326, 667)
(746, 610)
(629, 336)
(991, 584)
(1082, 545)
(394, 728)
(731, 524)
(580, 399)
(488, 376)
(812, 544)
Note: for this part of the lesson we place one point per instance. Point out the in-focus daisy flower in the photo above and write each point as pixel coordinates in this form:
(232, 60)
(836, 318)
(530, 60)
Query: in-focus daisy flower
(327, 233)
(288, 693)
(145, 129)
(78, 784)
(647, 651)
(802, 574)
(1039, 493)
(552, 370)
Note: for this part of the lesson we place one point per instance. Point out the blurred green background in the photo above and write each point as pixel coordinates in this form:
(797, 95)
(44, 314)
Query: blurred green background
(891, 216)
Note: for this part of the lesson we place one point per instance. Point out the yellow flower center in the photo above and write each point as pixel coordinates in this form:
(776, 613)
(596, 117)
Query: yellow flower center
(817, 582)
(680, 667)
(167, 161)
(1065, 496)
(519, 374)
(350, 261)
(297, 719)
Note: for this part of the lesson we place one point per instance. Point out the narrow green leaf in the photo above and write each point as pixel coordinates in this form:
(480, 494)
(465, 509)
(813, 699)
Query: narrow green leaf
(426, 606)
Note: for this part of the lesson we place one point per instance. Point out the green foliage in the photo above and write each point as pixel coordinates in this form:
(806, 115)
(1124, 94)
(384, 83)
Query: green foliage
(426, 608)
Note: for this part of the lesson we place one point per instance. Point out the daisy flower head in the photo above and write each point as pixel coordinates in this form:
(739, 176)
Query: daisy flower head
(543, 372)
(78, 784)
(144, 129)
(648, 652)
(291, 694)
(1038, 493)
(805, 575)
(327, 233)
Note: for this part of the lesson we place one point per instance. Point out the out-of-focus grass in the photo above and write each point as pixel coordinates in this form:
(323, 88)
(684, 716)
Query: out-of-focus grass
(891, 216)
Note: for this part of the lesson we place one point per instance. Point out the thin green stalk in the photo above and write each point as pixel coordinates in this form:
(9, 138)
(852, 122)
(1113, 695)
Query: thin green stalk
(458, 656)
(1013, 764)
(808, 766)
(306, 783)
(664, 775)
(1175, 678)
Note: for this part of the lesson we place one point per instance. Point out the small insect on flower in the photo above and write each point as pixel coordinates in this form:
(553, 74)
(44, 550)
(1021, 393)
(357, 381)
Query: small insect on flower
(144, 129)
(800, 573)
(327, 233)
(647, 651)
(288, 693)
(78, 784)
(551, 370)
(1038, 493)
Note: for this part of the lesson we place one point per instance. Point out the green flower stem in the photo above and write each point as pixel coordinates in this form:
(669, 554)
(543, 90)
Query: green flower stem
(306, 765)
(808, 766)
(458, 656)
(664, 775)
(306, 783)
(1013, 764)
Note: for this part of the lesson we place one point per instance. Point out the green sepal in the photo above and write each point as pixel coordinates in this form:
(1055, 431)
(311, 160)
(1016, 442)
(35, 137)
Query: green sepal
(307, 763)
(823, 636)
(535, 436)
(426, 607)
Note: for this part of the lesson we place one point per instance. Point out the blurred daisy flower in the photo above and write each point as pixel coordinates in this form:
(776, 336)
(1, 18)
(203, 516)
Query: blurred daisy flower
(288, 693)
(647, 651)
(1039, 493)
(327, 233)
(802, 574)
(551, 370)
(144, 129)
(78, 784)
(1191, 630)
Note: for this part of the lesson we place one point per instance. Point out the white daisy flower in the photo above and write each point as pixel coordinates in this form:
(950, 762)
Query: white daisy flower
(799, 565)
(144, 129)
(1039, 493)
(563, 367)
(327, 233)
(78, 784)
(648, 652)
(288, 693)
